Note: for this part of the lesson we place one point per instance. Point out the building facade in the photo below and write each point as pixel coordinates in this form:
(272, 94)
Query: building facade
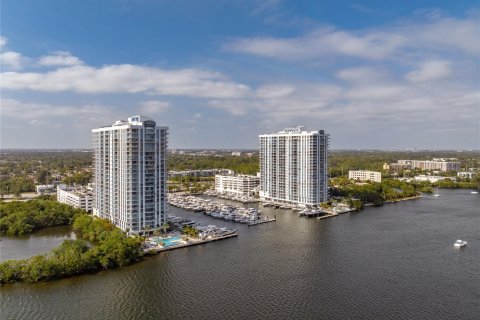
(44, 188)
(365, 175)
(440, 165)
(130, 174)
(237, 185)
(198, 173)
(466, 174)
(81, 198)
(294, 166)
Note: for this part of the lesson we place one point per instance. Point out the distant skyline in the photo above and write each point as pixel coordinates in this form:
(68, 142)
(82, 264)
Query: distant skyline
(375, 75)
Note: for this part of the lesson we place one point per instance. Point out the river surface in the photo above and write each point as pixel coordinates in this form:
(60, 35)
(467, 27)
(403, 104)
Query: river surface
(40, 242)
(390, 262)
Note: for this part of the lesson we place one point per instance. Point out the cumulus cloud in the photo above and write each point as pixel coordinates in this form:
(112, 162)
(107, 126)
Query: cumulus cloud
(41, 112)
(430, 70)
(12, 60)
(321, 42)
(59, 58)
(154, 106)
(436, 33)
(127, 78)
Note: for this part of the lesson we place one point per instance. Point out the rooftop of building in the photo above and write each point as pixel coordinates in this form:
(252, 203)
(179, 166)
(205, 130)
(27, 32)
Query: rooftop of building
(137, 120)
(295, 130)
(79, 191)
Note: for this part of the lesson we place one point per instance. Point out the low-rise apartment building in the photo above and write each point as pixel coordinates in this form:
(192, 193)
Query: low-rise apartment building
(466, 174)
(365, 175)
(81, 198)
(436, 164)
(44, 188)
(237, 185)
(432, 179)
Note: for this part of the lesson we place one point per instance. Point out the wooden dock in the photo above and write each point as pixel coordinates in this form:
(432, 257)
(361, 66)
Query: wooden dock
(261, 221)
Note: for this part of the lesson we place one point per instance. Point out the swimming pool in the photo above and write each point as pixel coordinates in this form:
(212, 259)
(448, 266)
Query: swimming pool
(168, 242)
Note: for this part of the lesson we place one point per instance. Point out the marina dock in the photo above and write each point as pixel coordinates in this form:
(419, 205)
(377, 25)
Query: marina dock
(261, 221)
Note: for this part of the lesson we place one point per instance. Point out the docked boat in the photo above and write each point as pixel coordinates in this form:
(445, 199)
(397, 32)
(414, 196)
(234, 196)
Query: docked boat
(460, 243)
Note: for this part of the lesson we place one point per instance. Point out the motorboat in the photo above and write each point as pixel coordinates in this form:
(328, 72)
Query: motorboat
(460, 243)
(474, 192)
(436, 193)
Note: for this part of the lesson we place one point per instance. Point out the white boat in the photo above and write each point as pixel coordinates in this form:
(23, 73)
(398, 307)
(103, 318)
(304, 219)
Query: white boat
(474, 192)
(436, 193)
(460, 243)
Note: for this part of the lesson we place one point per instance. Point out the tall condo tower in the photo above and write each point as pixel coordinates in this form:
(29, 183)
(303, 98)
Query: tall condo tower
(130, 174)
(293, 166)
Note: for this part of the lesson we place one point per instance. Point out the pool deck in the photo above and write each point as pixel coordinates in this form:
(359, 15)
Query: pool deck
(192, 243)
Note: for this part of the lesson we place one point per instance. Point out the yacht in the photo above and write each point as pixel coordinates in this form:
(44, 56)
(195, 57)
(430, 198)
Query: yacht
(474, 192)
(460, 243)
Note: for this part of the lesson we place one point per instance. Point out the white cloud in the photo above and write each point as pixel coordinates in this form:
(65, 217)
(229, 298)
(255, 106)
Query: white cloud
(43, 113)
(361, 74)
(322, 42)
(274, 91)
(154, 106)
(430, 70)
(127, 78)
(59, 58)
(391, 42)
(264, 5)
(12, 60)
(3, 41)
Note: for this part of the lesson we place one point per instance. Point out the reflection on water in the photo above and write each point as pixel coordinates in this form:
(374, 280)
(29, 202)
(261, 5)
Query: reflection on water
(40, 242)
(390, 262)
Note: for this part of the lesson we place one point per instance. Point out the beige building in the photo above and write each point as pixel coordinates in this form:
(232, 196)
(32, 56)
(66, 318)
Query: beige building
(365, 175)
(237, 185)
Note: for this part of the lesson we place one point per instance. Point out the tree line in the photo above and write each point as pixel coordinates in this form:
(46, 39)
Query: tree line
(18, 218)
(108, 247)
(376, 192)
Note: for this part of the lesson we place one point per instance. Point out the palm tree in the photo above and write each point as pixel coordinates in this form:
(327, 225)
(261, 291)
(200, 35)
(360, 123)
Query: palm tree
(147, 230)
(165, 227)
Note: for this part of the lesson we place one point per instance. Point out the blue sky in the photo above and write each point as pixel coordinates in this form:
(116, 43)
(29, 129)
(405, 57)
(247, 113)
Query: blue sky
(375, 74)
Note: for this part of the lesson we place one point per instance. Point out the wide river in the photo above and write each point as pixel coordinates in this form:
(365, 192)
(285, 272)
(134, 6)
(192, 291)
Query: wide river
(390, 262)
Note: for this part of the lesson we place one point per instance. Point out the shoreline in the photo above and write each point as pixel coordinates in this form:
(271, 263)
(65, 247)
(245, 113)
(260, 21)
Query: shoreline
(404, 199)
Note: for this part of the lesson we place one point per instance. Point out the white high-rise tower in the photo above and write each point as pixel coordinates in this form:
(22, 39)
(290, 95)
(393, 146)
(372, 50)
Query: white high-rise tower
(130, 174)
(294, 166)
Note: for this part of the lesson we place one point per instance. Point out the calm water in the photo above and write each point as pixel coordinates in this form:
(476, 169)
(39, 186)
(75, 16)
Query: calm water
(391, 262)
(33, 244)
